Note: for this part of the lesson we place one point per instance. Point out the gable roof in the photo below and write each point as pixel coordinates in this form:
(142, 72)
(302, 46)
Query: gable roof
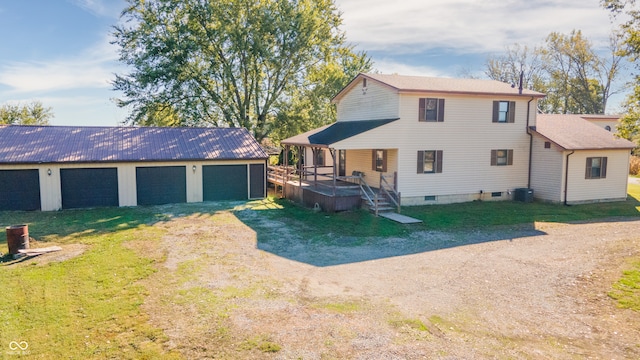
(332, 133)
(573, 132)
(422, 84)
(55, 144)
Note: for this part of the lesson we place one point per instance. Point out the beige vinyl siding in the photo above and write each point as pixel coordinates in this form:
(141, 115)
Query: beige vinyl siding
(50, 186)
(360, 160)
(613, 124)
(547, 171)
(466, 138)
(379, 102)
(613, 187)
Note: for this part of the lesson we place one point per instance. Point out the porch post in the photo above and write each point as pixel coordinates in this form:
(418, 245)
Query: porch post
(335, 174)
(286, 168)
(300, 165)
(314, 151)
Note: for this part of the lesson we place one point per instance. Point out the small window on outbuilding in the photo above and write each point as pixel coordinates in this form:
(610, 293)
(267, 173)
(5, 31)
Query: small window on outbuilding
(547, 145)
(596, 168)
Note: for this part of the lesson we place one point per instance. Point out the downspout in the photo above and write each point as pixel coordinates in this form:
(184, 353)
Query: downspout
(530, 142)
(566, 177)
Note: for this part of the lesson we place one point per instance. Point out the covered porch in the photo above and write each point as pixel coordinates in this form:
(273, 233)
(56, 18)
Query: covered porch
(320, 173)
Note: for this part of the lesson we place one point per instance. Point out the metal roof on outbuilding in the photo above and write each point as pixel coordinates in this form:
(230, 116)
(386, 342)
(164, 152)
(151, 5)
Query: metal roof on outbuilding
(573, 132)
(63, 144)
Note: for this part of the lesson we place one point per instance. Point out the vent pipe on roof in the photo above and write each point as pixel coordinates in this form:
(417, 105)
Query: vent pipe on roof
(520, 87)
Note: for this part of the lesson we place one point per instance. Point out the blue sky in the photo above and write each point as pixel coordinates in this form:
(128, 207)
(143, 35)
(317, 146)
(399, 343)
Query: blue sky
(58, 51)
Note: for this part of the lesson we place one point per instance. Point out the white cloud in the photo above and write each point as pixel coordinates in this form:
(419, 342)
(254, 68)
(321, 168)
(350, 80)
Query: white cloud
(93, 68)
(387, 66)
(467, 26)
(101, 8)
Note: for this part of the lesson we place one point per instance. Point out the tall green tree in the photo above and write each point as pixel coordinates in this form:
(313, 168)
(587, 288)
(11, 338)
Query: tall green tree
(308, 105)
(629, 127)
(580, 80)
(566, 68)
(221, 62)
(33, 113)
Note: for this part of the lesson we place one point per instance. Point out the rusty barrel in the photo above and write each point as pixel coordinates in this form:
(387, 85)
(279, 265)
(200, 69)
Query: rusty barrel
(17, 238)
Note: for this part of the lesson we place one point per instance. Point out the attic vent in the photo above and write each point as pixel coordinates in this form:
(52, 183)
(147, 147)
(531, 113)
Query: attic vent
(547, 145)
(364, 86)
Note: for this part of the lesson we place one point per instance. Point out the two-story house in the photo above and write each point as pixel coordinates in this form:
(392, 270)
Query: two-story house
(433, 140)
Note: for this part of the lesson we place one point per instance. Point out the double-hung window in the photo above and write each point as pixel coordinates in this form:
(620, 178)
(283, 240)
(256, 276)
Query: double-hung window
(501, 157)
(379, 160)
(596, 168)
(504, 111)
(429, 161)
(431, 109)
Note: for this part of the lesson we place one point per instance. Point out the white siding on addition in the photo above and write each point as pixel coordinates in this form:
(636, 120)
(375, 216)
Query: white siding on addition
(547, 171)
(611, 188)
(377, 102)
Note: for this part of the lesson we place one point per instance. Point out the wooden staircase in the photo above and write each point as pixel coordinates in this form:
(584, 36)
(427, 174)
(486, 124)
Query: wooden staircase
(382, 200)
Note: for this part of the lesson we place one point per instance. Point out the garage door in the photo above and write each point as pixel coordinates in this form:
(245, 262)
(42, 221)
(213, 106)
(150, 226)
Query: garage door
(224, 182)
(161, 185)
(19, 190)
(89, 187)
(257, 179)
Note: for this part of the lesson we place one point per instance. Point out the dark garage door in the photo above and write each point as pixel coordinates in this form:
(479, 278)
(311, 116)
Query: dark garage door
(19, 190)
(257, 180)
(89, 187)
(161, 185)
(224, 182)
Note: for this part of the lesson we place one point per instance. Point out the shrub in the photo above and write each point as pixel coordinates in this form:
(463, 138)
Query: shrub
(634, 165)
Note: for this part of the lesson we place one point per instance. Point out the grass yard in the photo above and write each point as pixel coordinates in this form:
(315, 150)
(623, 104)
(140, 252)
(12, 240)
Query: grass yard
(89, 306)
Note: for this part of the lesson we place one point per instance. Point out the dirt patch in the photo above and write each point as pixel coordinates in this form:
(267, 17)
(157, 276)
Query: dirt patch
(526, 292)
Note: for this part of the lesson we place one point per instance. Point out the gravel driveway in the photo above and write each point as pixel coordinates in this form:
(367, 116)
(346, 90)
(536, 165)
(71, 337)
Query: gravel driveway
(522, 292)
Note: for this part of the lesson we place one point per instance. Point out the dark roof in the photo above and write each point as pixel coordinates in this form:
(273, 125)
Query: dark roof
(338, 131)
(55, 144)
(573, 132)
(423, 84)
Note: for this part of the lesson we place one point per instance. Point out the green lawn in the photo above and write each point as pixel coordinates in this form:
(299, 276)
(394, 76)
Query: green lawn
(89, 306)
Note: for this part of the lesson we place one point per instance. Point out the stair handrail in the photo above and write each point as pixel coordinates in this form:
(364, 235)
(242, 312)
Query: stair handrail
(395, 198)
(366, 190)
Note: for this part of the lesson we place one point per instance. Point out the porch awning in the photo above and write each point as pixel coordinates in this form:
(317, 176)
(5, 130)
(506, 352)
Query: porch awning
(338, 131)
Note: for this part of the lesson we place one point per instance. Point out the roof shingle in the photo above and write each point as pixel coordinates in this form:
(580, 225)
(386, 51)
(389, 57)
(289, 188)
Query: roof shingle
(573, 132)
(55, 144)
(425, 84)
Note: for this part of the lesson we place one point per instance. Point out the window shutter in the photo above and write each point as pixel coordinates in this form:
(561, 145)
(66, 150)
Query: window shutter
(494, 157)
(439, 161)
(587, 172)
(384, 160)
(420, 162)
(440, 110)
(603, 168)
(509, 157)
(496, 110)
(421, 110)
(512, 112)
